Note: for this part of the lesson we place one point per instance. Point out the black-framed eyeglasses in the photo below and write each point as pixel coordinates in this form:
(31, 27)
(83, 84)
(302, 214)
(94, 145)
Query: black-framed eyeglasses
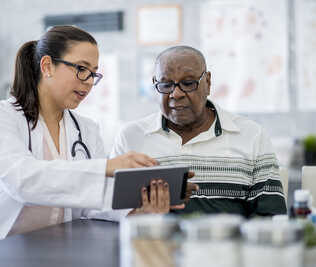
(184, 85)
(83, 73)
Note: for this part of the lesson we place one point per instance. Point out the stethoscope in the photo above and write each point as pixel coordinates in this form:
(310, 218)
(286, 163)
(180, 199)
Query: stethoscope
(77, 143)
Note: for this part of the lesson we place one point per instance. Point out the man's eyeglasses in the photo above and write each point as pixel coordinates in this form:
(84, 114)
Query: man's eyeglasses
(83, 73)
(184, 85)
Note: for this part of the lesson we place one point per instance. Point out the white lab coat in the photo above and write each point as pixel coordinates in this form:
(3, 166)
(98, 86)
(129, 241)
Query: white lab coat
(27, 179)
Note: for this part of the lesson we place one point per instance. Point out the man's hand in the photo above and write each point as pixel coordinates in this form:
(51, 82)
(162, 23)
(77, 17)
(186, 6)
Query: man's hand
(158, 201)
(190, 188)
(129, 160)
(159, 197)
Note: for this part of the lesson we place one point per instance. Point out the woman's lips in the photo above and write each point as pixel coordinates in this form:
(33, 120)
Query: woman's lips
(81, 94)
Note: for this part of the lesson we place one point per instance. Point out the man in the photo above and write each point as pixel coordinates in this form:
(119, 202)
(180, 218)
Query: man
(231, 156)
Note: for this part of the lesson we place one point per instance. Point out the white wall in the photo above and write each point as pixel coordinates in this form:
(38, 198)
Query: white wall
(21, 21)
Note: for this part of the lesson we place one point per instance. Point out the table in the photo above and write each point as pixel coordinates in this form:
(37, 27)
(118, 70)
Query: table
(78, 243)
(86, 243)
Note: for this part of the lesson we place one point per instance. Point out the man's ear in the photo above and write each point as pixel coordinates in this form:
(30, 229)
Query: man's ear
(46, 65)
(208, 82)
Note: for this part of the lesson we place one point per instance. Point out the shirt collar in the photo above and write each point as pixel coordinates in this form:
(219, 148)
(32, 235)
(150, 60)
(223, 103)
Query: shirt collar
(227, 119)
(156, 124)
(224, 121)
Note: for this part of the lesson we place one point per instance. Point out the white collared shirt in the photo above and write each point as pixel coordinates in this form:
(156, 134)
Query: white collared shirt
(237, 165)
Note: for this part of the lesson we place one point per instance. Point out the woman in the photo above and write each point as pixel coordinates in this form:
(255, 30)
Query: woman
(44, 171)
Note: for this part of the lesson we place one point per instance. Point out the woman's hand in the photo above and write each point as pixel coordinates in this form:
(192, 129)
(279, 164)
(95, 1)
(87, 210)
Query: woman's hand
(129, 160)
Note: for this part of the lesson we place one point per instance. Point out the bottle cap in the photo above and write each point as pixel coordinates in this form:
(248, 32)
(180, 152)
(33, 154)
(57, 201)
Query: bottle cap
(302, 195)
(212, 227)
(280, 218)
(272, 233)
(150, 226)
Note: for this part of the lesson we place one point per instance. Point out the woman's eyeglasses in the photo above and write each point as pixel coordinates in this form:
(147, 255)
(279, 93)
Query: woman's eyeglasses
(83, 73)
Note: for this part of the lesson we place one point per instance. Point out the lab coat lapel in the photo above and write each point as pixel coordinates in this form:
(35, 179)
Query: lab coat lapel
(36, 134)
(36, 137)
(71, 137)
(71, 132)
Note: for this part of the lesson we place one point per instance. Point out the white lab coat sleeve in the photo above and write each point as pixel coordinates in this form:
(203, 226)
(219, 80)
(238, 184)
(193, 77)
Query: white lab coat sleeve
(94, 213)
(58, 183)
(110, 214)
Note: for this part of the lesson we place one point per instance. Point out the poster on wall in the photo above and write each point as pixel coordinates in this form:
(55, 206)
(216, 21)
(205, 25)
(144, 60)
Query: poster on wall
(101, 105)
(246, 49)
(305, 33)
(159, 24)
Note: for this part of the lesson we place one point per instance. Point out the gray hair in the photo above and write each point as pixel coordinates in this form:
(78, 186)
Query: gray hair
(180, 49)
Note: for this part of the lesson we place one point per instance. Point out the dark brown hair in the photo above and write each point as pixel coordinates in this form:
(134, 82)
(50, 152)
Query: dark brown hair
(55, 43)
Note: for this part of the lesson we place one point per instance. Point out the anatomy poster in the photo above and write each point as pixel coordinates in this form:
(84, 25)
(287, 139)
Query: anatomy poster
(305, 54)
(246, 49)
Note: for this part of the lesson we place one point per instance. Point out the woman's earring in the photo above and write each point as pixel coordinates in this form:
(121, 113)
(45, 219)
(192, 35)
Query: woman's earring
(48, 75)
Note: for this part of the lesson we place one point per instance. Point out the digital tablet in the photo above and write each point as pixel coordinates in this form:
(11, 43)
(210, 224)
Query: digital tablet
(129, 182)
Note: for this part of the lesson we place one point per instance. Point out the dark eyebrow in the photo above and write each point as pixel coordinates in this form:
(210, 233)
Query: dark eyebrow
(86, 63)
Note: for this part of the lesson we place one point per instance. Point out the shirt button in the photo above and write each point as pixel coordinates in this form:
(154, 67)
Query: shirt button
(185, 149)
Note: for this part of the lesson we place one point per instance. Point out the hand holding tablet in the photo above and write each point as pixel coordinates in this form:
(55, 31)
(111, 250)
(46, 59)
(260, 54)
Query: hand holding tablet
(129, 183)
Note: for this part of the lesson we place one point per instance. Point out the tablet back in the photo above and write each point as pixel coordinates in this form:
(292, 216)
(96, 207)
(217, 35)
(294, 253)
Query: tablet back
(128, 184)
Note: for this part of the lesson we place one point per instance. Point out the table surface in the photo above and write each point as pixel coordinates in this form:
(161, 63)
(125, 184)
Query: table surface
(78, 243)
